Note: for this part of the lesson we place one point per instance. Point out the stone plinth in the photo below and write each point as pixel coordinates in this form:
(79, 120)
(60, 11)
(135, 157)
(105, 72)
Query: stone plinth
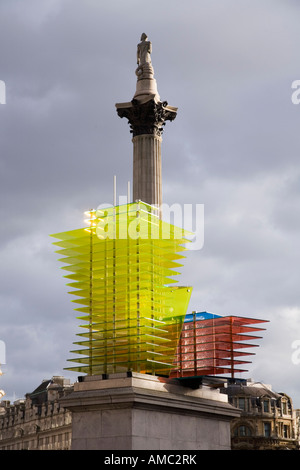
(142, 412)
(146, 87)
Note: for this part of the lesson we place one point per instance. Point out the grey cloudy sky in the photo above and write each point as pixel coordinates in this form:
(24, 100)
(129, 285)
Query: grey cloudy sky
(234, 147)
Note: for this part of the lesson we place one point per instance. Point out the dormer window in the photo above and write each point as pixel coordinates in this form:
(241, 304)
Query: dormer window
(284, 408)
(266, 406)
(242, 403)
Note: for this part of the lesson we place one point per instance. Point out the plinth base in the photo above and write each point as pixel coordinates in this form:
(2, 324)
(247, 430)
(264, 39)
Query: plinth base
(143, 412)
(146, 87)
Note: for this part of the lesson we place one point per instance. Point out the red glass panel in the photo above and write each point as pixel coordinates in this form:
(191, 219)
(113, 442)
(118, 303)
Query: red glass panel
(211, 346)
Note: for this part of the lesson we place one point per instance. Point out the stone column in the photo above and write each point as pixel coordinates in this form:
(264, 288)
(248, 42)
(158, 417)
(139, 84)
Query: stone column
(147, 115)
(146, 119)
(147, 178)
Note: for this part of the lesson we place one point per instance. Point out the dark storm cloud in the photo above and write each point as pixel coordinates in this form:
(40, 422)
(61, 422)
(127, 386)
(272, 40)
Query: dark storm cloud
(233, 147)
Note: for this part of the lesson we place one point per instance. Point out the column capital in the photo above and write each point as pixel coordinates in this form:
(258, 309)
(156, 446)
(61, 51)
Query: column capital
(146, 116)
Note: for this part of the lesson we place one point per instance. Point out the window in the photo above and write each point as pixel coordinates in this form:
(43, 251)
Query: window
(285, 431)
(242, 403)
(284, 408)
(266, 406)
(242, 431)
(267, 429)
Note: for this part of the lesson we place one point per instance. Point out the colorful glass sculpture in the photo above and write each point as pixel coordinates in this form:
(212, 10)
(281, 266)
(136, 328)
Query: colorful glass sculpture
(121, 269)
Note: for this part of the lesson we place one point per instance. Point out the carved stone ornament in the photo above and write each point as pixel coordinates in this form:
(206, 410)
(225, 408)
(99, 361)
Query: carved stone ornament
(147, 118)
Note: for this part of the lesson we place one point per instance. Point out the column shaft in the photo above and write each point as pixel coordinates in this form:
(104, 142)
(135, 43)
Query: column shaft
(147, 177)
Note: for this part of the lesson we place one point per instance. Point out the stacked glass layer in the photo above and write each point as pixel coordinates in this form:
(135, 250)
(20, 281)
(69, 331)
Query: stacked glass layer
(214, 345)
(121, 269)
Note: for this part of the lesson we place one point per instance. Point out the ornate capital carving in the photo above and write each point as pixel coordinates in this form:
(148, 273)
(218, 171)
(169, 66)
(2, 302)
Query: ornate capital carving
(148, 117)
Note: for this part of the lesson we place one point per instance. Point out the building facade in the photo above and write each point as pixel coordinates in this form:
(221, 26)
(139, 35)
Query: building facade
(37, 422)
(268, 420)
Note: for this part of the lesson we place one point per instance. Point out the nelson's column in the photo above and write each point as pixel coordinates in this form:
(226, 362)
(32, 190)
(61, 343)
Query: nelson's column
(119, 407)
(147, 115)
